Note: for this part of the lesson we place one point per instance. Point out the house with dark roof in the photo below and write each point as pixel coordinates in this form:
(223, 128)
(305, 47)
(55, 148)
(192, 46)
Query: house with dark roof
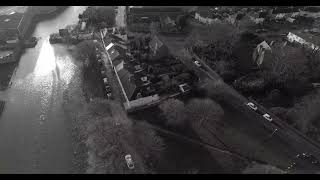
(127, 81)
(158, 48)
(116, 53)
(10, 25)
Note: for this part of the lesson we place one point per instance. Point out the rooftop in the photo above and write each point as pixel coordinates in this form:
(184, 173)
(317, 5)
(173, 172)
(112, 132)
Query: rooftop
(10, 21)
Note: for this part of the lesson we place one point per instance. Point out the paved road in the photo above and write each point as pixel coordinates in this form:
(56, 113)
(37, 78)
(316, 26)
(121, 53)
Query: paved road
(291, 141)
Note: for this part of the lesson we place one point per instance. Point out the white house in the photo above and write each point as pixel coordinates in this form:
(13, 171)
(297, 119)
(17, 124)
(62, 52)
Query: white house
(260, 51)
(203, 16)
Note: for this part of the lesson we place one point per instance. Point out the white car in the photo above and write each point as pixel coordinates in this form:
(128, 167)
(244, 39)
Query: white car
(104, 74)
(129, 161)
(267, 117)
(197, 63)
(252, 106)
(105, 80)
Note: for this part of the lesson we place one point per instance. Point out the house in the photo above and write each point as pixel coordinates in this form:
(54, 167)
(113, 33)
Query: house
(6, 57)
(83, 26)
(158, 48)
(204, 15)
(263, 49)
(85, 36)
(127, 81)
(116, 53)
(11, 25)
(292, 38)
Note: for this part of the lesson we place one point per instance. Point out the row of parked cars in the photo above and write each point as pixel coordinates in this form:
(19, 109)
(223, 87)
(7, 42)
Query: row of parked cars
(304, 156)
(255, 108)
(103, 71)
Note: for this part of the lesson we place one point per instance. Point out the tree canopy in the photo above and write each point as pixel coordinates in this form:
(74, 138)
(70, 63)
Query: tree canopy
(99, 17)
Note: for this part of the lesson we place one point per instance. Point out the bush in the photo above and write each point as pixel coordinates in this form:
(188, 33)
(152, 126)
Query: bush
(306, 111)
(195, 113)
(313, 65)
(262, 169)
(86, 50)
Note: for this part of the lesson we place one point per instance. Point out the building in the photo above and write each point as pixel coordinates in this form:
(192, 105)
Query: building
(116, 53)
(6, 57)
(204, 15)
(127, 81)
(10, 26)
(158, 48)
(15, 23)
(292, 38)
(263, 49)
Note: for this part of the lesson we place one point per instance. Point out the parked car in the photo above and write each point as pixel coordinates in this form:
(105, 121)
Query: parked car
(308, 156)
(261, 30)
(100, 61)
(109, 95)
(252, 106)
(184, 88)
(104, 74)
(105, 81)
(129, 161)
(197, 63)
(108, 89)
(267, 117)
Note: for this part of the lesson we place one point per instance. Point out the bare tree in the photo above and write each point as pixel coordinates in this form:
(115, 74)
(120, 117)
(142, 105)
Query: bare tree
(173, 110)
(305, 112)
(203, 113)
(86, 50)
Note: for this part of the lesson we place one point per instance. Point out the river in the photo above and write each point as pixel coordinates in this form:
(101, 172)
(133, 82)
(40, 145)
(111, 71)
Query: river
(34, 132)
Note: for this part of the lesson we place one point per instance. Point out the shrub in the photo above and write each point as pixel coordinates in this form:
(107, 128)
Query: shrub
(262, 169)
(306, 111)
